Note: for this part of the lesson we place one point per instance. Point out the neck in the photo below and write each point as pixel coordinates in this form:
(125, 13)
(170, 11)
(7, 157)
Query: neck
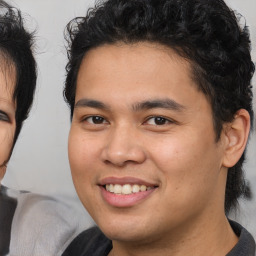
(214, 237)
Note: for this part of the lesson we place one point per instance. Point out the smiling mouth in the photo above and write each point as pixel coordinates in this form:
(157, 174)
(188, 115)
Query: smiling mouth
(126, 189)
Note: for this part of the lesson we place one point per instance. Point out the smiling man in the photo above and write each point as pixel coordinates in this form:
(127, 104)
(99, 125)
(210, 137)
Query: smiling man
(161, 104)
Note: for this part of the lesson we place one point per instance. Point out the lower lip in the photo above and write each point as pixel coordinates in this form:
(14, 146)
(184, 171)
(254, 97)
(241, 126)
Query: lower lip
(120, 200)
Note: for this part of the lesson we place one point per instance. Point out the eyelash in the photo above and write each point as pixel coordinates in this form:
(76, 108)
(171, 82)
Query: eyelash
(92, 117)
(161, 119)
(102, 120)
(4, 117)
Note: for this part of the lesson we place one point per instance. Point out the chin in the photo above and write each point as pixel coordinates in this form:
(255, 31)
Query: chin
(123, 235)
(126, 231)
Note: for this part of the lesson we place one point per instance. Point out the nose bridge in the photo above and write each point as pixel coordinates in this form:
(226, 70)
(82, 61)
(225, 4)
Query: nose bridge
(123, 145)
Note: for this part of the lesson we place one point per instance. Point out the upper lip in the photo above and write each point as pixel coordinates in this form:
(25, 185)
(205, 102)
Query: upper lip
(125, 180)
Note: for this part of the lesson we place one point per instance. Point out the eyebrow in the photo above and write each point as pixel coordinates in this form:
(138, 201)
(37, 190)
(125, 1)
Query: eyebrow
(159, 103)
(144, 105)
(91, 104)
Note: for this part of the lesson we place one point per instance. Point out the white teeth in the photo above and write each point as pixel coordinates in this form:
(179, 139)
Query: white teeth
(111, 188)
(143, 188)
(117, 189)
(126, 189)
(135, 188)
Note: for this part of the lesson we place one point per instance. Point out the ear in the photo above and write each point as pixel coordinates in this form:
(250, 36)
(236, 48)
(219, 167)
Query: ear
(236, 135)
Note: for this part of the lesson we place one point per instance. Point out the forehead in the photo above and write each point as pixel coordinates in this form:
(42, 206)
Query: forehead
(7, 78)
(141, 70)
(142, 56)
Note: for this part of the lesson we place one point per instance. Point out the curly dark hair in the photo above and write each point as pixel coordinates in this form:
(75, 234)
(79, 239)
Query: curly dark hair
(205, 32)
(16, 50)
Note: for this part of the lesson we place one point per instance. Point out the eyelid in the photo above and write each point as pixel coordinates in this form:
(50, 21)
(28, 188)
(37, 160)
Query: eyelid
(4, 116)
(85, 118)
(169, 120)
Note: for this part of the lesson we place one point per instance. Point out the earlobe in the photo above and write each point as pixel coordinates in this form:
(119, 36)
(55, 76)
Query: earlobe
(236, 134)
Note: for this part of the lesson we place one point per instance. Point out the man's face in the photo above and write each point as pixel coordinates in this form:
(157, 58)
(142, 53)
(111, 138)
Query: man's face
(142, 147)
(7, 116)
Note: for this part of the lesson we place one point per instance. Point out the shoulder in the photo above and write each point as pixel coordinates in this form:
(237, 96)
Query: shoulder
(91, 242)
(41, 225)
(246, 243)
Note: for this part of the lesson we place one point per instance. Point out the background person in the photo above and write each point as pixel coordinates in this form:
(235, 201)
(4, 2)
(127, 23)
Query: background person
(30, 224)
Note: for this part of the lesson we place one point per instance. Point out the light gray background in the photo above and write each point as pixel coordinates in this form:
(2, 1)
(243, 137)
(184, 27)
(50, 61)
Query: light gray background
(40, 162)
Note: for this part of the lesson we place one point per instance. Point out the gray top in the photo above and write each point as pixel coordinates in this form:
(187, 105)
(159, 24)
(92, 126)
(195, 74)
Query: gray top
(33, 224)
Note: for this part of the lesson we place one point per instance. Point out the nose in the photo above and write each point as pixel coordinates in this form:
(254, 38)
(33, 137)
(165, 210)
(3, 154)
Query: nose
(123, 146)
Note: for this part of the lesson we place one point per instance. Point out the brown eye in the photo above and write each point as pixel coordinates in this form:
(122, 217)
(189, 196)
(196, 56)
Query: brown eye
(95, 120)
(158, 120)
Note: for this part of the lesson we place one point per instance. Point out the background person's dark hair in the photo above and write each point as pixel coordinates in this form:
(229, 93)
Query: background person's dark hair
(205, 32)
(15, 49)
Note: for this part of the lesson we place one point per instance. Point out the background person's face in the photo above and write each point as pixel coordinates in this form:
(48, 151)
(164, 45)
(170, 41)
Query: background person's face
(140, 120)
(7, 117)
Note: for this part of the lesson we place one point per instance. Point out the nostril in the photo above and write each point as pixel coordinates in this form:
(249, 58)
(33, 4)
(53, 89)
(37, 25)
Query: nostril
(123, 156)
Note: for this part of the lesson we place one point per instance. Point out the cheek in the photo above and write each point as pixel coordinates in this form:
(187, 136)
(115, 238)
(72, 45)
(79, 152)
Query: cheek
(189, 172)
(83, 158)
(83, 154)
(6, 141)
(186, 160)
(175, 152)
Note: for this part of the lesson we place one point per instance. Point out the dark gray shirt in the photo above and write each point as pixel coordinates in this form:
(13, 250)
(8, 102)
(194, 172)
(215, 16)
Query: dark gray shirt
(93, 242)
(7, 209)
